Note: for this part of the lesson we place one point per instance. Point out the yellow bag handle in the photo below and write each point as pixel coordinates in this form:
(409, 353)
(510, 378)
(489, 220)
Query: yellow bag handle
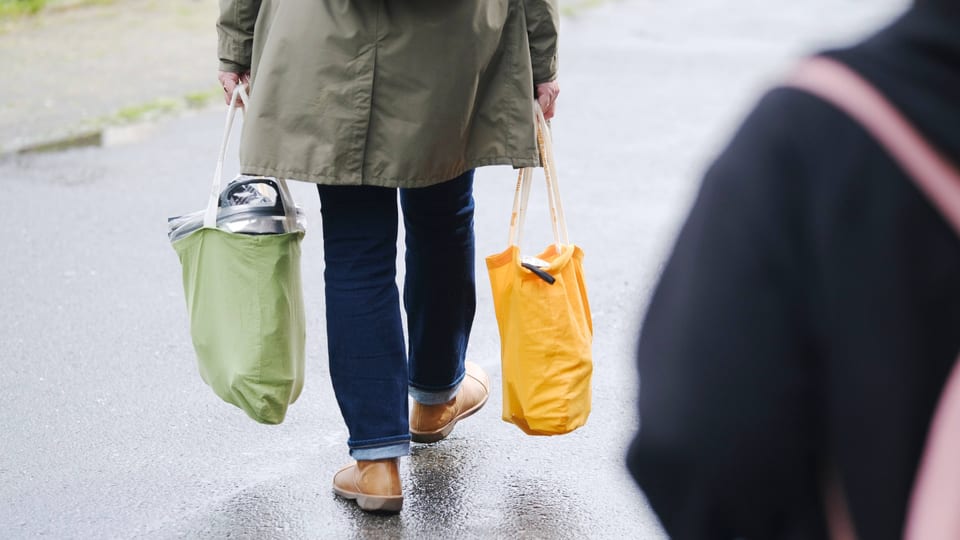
(525, 180)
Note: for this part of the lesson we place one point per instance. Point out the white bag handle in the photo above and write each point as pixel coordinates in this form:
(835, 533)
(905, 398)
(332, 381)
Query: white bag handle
(213, 203)
(525, 180)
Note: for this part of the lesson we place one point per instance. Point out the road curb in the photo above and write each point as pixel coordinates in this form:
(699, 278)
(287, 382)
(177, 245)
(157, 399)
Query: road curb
(112, 131)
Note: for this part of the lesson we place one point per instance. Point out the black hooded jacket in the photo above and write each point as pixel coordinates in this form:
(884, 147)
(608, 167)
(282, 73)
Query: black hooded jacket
(809, 314)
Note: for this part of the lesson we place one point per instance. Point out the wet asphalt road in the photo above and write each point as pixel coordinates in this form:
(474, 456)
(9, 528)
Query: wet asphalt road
(108, 431)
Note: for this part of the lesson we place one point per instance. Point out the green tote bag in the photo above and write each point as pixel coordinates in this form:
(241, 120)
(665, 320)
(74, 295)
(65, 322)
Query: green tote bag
(245, 301)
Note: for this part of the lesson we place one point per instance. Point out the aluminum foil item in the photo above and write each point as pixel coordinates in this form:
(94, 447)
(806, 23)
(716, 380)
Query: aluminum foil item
(247, 206)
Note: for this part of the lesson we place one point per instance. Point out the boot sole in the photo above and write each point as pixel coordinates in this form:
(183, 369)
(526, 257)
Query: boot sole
(373, 503)
(440, 434)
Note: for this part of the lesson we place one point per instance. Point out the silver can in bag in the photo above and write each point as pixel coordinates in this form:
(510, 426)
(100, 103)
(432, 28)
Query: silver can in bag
(246, 206)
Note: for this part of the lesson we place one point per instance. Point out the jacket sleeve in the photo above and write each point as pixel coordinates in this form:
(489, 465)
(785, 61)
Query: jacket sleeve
(543, 26)
(235, 33)
(727, 422)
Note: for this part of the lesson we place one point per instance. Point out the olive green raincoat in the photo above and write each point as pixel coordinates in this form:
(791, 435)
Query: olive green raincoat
(393, 93)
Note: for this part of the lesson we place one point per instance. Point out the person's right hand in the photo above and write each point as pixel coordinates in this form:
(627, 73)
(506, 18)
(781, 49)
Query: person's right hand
(547, 96)
(229, 82)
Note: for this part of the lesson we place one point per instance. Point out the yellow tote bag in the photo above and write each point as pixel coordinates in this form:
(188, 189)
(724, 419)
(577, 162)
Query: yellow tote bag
(546, 331)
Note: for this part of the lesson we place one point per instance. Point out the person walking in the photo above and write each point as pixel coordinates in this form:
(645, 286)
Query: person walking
(809, 315)
(368, 98)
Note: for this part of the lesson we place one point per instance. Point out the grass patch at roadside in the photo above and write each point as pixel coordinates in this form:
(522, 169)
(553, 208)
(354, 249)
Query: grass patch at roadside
(161, 107)
(21, 8)
(203, 98)
(147, 111)
(573, 9)
(15, 8)
(157, 109)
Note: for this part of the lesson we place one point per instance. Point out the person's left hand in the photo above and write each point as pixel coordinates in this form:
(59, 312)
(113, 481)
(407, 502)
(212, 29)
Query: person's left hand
(547, 97)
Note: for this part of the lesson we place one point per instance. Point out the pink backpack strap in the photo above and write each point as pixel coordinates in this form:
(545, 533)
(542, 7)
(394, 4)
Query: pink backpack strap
(934, 511)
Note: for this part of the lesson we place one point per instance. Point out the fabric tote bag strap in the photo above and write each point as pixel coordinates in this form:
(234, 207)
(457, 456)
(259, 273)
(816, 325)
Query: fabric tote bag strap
(934, 511)
(525, 180)
(213, 203)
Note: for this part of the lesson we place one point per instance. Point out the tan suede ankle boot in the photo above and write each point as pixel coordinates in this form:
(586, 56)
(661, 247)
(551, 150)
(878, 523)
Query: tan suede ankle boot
(431, 423)
(375, 485)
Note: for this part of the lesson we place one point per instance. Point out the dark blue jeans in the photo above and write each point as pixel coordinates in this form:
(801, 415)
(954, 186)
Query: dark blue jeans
(371, 369)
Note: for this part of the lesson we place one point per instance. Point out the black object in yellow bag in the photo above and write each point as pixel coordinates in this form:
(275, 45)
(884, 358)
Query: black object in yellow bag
(546, 331)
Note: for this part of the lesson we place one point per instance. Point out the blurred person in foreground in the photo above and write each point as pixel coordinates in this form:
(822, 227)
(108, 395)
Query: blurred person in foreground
(809, 314)
(368, 99)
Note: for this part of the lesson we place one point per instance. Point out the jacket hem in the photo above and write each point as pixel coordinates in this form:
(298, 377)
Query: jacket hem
(377, 181)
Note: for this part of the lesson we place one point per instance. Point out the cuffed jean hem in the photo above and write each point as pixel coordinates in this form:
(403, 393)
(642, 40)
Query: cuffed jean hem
(434, 397)
(381, 452)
